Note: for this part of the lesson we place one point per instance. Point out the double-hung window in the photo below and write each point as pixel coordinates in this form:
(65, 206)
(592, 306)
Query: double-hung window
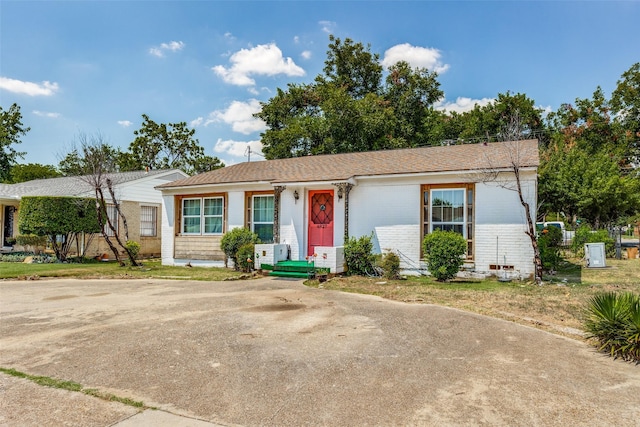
(449, 208)
(148, 221)
(202, 215)
(262, 217)
(112, 214)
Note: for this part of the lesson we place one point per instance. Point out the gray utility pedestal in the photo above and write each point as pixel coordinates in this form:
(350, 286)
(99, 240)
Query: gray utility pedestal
(595, 255)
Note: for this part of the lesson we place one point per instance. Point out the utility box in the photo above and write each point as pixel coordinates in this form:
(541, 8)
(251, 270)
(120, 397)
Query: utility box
(595, 255)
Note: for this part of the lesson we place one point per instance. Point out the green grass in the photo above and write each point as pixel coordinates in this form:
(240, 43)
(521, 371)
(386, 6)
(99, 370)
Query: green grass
(558, 304)
(73, 386)
(93, 270)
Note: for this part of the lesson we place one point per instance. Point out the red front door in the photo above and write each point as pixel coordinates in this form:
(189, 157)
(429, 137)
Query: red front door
(320, 219)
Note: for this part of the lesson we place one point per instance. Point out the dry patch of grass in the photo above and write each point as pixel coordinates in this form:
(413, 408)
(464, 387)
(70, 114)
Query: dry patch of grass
(557, 306)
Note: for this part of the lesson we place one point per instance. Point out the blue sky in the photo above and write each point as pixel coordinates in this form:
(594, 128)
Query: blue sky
(78, 67)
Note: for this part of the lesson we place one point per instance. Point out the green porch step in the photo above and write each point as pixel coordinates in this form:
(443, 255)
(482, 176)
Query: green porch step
(290, 274)
(301, 269)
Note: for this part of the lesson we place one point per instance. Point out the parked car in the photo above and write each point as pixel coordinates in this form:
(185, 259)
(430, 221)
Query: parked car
(567, 235)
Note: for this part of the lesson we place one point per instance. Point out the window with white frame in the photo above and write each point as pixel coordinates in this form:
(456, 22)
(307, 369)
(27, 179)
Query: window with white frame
(262, 217)
(202, 215)
(112, 214)
(449, 209)
(148, 221)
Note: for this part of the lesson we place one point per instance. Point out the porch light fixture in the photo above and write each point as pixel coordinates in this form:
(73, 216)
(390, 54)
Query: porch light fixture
(340, 192)
(296, 196)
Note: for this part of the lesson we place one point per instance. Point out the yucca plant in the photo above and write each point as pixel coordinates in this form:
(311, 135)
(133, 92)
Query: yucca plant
(613, 320)
(632, 348)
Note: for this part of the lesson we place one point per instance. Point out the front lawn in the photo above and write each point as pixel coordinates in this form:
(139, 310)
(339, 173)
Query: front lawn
(112, 270)
(558, 305)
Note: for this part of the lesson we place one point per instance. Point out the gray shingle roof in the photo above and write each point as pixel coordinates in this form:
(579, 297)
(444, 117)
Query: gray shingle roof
(340, 167)
(68, 186)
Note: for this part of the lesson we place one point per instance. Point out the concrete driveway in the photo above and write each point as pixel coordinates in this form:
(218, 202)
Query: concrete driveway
(272, 352)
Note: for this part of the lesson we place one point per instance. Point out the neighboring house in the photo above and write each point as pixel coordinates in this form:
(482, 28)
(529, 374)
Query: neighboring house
(397, 196)
(135, 192)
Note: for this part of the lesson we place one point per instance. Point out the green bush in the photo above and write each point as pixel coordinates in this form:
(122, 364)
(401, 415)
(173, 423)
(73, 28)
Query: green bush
(133, 247)
(31, 240)
(549, 240)
(585, 235)
(233, 240)
(614, 321)
(390, 264)
(21, 256)
(246, 257)
(443, 251)
(358, 255)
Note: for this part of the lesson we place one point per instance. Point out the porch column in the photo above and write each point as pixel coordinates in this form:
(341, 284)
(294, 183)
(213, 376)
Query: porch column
(343, 192)
(277, 190)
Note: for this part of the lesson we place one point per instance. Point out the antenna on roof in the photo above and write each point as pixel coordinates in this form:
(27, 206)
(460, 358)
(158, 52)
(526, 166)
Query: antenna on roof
(247, 152)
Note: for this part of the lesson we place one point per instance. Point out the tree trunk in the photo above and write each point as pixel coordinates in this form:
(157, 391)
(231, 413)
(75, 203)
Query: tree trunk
(531, 232)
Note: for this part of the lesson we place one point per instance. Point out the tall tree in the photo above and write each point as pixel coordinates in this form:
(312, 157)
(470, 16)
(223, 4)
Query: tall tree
(352, 67)
(11, 129)
(490, 121)
(347, 108)
(94, 163)
(31, 171)
(589, 169)
(166, 146)
(411, 93)
(625, 103)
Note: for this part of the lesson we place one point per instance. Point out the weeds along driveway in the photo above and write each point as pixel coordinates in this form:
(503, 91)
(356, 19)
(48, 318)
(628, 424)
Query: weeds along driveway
(274, 352)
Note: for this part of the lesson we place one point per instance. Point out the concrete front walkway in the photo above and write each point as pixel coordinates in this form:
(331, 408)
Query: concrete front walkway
(273, 352)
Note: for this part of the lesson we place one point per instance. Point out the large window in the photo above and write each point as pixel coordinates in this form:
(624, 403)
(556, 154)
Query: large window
(112, 213)
(262, 217)
(148, 221)
(202, 215)
(449, 208)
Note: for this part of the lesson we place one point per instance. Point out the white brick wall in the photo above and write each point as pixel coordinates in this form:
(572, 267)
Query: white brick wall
(167, 230)
(331, 257)
(503, 244)
(270, 254)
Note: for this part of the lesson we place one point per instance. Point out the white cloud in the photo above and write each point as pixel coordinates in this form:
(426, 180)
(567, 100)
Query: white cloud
(296, 39)
(172, 46)
(327, 26)
(265, 59)
(196, 122)
(46, 114)
(156, 52)
(45, 88)
(545, 110)
(462, 104)
(239, 148)
(416, 56)
(240, 116)
(306, 54)
(125, 123)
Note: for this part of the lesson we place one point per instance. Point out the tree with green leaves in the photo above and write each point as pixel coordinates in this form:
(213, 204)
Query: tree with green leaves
(167, 146)
(589, 168)
(349, 109)
(625, 104)
(61, 219)
(31, 171)
(11, 129)
(489, 122)
(588, 185)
